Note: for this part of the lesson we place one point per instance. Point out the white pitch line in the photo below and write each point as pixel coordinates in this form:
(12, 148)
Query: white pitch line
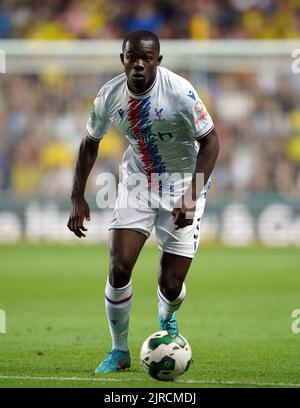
(103, 379)
(240, 383)
(16, 377)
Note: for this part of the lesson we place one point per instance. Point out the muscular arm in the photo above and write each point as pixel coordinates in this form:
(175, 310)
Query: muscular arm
(206, 159)
(80, 210)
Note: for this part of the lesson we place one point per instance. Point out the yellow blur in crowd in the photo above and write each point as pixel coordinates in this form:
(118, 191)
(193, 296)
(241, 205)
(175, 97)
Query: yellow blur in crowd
(196, 19)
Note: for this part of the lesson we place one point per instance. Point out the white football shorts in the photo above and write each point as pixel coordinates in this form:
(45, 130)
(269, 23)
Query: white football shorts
(143, 218)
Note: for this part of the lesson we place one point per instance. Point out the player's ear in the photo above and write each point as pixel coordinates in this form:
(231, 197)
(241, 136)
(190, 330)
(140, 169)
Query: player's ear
(159, 59)
(122, 58)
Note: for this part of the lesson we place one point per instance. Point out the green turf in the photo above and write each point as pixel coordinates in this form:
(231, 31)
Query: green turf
(237, 316)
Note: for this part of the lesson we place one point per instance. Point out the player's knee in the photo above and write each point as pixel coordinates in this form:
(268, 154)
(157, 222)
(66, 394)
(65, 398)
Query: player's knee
(119, 274)
(170, 288)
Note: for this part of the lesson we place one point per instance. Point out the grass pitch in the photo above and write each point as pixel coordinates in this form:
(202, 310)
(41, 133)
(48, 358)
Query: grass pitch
(236, 317)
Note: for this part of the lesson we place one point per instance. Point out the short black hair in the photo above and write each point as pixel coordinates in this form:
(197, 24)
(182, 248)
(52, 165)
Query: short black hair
(141, 35)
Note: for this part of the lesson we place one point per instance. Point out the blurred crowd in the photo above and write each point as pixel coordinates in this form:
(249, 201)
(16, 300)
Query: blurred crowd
(43, 116)
(196, 19)
(43, 121)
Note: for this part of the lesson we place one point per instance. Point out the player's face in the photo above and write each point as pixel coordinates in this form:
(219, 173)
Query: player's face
(140, 60)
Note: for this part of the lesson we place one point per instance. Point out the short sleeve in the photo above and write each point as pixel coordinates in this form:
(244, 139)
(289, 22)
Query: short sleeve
(98, 121)
(195, 114)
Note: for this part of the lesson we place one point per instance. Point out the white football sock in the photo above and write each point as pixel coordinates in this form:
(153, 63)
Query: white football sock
(167, 307)
(117, 305)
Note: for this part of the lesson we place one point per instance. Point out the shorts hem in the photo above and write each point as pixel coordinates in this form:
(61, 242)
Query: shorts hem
(170, 251)
(131, 228)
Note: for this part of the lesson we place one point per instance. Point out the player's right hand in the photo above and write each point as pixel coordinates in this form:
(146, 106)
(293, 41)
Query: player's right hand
(80, 210)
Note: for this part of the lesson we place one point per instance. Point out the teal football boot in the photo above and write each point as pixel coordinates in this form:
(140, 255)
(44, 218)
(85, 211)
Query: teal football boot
(169, 325)
(115, 361)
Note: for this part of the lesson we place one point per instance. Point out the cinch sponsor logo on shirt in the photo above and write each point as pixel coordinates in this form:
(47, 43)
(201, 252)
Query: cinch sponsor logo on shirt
(150, 137)
(200, 110)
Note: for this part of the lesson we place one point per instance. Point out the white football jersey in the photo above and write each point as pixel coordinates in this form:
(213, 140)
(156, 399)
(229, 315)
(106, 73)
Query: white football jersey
(161, 125)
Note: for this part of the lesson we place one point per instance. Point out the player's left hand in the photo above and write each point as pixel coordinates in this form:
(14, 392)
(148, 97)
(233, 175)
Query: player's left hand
(183, 215)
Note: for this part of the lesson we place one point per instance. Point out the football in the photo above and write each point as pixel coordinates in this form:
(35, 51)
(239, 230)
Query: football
(165, 357)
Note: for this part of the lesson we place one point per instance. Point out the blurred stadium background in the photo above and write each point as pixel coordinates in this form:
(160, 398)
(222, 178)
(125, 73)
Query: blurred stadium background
(237, 53)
